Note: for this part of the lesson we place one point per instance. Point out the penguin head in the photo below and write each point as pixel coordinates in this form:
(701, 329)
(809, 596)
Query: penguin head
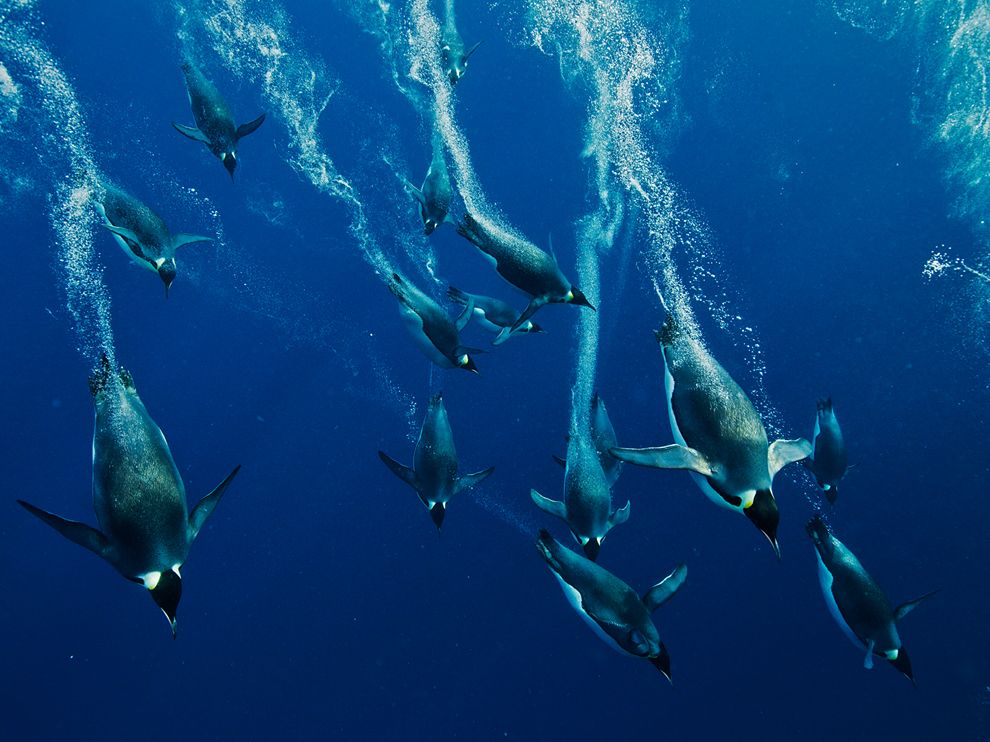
(166, 590)
(591, 546)
(437, 512)
(467, 363)
(530, 326)
(901, 661)
(229, 160)
(166, 271)
(661, 661)
(764, 514)
(429, 225)
(576, 296)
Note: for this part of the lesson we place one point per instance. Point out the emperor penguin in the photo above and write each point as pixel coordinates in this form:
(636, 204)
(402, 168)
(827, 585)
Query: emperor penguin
(493, 314)
(612, 609)
(603, 437)
(140, 502)
(828, 460)
(720, 437)
(857, 603)
(434, 471)
(587, 505)
(434, 197)
(453, 56)
(141, 233)
(215, 124)
(523, 265)
(435, 333)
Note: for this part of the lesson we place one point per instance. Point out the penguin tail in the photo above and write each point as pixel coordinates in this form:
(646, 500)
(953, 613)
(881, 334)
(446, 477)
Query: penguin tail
(100, 376)
(825, 405)
(669, 331)
(457, 296)
(469, 229)
(817, 529)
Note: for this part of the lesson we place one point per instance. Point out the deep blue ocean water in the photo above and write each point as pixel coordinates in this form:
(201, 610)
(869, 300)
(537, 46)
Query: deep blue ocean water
(816, 161)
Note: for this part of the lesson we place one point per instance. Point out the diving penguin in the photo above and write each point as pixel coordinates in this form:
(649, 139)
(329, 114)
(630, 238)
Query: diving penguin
(138, 495)
(720, 437)
(525, 266)
(587, 505)
(141, 233)
(603, 437)
(434, 196)
(828, 460)
(215, 125)
(453, 57)
(493, 314)
(857, 603)
(435, 333)
(609, 606)
(434, 471)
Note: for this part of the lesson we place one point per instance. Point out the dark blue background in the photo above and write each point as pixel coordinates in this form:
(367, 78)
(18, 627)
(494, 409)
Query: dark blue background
(318, 602)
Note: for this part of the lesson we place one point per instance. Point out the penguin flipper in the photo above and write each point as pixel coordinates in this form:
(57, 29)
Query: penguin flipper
(783, 452)
(665, 457)
(620, 516)
(527, 313)
(181, 240)
(560, 460)
(244, 129)
(554, 507)
(504, 334)
(205, 507)
(192, 132)
(468, 481)
(416, 193)
(79, 533)
(404, 473)
(131, 242)
(472, 50)
(905, 608)
(868, 661)
(664, 590)
(466, 315)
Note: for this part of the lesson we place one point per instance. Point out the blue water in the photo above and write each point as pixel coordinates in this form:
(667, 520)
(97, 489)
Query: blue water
(803, 163)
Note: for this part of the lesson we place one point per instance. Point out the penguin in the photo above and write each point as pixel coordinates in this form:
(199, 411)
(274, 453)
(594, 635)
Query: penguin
(434, 471)
(828, 460)
(434, 196)
(435, 333)
(720, 437)
(453, 57)
(603, 437)
(493, 314)
(141, 233)
(857, 603)
(525, 266)
(587, 505)
(140, 502)
(215, 125)
(612, 609)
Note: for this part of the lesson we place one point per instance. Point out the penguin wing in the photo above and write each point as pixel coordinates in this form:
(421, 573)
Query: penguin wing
(665, 457)
(131, 240)
(244, 129)
(620, 516)
(404, 473)
(192, 132)
(181, 240)
(664, 590)
(79, 533)
(905, 608)
(553, 507)
(205, 507)
(783, 452)
(468, 481)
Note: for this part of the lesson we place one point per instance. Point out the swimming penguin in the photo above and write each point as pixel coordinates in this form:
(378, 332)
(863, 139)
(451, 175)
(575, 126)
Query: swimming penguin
(610, 607)
(434, 197)
(603, 437)
(857, 603)
(828, 460)
(138, 495)
(493, 314)
(434, 471)
(587, 505)
(215, 125)
(525, 266)
(435, 333)
(141, 233)
(453, 57)
(720, 437)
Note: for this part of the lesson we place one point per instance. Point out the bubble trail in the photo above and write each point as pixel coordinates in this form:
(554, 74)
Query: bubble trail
(66, 141)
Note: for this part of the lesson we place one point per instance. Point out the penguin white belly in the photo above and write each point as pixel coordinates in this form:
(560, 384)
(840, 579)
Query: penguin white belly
(414, 323)
(825, 579)
(483, 320)
(699, 480)
(574, 598)
(814, 439)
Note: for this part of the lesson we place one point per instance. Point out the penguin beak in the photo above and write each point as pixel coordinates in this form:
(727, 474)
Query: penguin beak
(591, 548)
(437, 513)
(662, 662)
(167, 594)
(765, 516)
(167, 273)
(580, 299)
(903, 665)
